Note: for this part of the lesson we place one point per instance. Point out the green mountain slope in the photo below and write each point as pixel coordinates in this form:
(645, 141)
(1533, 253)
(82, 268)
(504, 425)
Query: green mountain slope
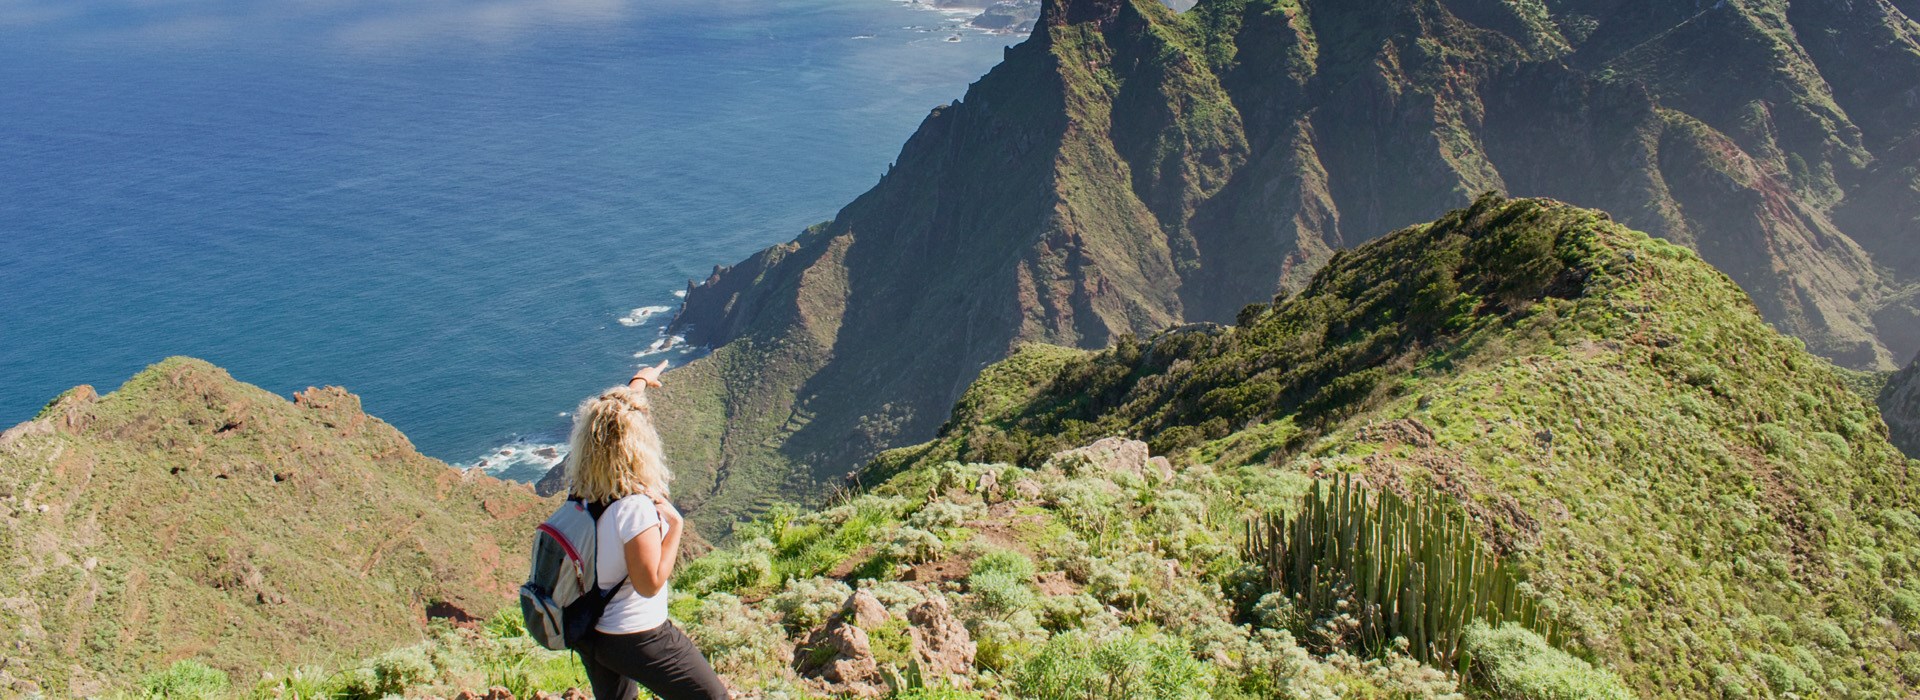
(190, 516)
(1129, 168)
(1705, 504)
(1900, 406)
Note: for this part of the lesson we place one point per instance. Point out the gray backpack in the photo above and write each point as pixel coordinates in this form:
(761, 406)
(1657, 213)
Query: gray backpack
(562, 598)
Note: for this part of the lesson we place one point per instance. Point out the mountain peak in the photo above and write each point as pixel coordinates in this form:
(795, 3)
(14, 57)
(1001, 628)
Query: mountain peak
(1060, 13)
(1607, 410)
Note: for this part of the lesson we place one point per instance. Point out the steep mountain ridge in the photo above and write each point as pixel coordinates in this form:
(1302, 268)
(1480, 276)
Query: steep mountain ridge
(1708, 508)
(1128, 168)
(188, 515)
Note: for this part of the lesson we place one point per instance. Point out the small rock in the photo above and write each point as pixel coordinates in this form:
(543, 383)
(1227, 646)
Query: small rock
(866, 611)
(90, 563)
(1027, 489)
(1161, 467)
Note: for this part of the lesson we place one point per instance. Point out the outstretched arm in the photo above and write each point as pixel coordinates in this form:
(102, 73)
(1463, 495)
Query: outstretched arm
(648, 376)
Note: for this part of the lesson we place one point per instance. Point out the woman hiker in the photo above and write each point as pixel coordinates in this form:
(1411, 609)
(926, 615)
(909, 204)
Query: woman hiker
(616, 459)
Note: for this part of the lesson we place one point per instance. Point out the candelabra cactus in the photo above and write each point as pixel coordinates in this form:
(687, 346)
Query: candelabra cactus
(1406, 568)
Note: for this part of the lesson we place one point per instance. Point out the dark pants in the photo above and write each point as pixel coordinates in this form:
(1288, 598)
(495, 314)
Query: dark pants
(663, 659)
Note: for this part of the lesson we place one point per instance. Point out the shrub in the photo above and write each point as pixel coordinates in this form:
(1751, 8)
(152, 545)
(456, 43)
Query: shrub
(938, 515)
(740, 640)
(1004, 561)
(1000, 593)
(506, 624)
(730, 570)
(1064, 612)
(1076, 666)
(898, 597)
(937, 694)
(1511, 661)
(912, 545)
(1004, 645)
(184, 680)
(806, 603)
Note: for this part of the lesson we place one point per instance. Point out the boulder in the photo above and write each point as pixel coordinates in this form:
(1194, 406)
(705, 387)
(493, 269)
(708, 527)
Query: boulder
(1107, 457)
(940, 641)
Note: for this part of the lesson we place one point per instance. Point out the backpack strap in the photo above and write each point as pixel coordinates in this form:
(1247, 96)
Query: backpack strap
(595, 509)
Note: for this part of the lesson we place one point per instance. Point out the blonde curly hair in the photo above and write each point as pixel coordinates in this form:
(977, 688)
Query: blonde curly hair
(614, 451)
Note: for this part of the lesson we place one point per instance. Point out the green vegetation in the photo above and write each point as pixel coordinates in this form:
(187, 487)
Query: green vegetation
(494, 654)
(1701, 502)
(1511, 661)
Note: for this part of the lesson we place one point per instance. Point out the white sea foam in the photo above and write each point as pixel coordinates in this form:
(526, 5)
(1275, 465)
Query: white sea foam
(639, 316)
(520, 460)
(682, 293)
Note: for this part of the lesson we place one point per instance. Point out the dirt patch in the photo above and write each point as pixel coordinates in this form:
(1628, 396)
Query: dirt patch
(1055, 583)
(1782, 501)
(939, 571)
(1502, 523)
(845, 568)
(443, 610)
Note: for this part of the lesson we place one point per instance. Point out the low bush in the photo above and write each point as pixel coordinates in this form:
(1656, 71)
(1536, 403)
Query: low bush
(1078, 666)
(806, 603)
(184, 680)
(1511, 661)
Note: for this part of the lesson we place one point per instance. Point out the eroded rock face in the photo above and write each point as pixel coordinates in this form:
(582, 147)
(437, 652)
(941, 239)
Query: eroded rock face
(1900, 406)
(839, 657)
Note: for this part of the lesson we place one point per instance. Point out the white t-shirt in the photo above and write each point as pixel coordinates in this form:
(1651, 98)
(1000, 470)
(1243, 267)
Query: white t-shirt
(628, 612)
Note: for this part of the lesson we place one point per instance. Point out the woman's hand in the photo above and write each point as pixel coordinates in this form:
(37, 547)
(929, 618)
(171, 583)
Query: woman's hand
(649, 376)
(668, 514)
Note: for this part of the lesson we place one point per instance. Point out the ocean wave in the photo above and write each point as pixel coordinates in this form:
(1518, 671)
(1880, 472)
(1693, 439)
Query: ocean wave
(520, 460)
(639, 316)
(664, 344)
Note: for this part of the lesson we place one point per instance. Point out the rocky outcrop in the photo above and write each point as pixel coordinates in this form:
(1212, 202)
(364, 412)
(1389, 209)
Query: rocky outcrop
(840, 657)
(1900, 407)
(188, 515)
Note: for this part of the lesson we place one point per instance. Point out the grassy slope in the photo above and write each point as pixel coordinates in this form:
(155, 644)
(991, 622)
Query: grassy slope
(1129, 167)
(1709, 507)
(188, 515)
(1703, 500)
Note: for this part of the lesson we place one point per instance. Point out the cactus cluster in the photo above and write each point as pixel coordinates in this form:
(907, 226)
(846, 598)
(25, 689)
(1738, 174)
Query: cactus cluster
(1400, 567)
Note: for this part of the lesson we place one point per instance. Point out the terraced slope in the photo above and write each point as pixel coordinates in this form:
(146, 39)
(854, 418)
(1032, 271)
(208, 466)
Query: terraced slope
(1707, 505)
(189, 516)
(1128, 168)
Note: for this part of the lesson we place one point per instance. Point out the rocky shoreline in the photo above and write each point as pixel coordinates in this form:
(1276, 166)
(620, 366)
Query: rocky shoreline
(1010, 17)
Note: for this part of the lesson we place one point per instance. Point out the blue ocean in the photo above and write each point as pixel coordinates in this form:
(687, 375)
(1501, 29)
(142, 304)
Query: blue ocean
(472, 213)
